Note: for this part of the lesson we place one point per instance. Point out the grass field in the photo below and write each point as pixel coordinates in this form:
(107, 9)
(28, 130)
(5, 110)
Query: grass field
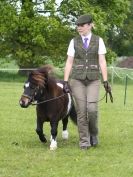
(23, 155)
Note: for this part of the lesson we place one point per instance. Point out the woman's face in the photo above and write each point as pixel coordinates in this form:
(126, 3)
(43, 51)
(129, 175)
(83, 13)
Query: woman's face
(84, 29)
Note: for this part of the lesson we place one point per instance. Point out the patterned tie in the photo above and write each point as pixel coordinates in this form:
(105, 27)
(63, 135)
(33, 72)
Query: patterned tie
(85, 44)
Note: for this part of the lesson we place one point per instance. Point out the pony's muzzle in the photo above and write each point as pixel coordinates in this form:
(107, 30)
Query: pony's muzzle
(24, 102)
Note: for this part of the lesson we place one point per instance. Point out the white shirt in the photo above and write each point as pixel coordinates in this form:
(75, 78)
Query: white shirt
(71, 50)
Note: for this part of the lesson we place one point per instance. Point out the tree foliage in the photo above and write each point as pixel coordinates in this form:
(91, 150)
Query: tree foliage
(8, 20)
(122, 42)
(31, 38)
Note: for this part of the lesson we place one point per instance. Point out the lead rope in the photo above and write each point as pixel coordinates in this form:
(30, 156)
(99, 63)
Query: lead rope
(105, 95)
(33, 103)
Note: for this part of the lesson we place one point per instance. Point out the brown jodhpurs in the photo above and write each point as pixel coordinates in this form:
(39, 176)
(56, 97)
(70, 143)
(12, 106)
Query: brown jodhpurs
(84, 92)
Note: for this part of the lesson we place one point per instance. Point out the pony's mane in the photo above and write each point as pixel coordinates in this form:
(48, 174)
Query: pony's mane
(41, 75)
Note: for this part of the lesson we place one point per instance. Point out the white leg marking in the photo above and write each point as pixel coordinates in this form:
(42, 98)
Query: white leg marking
(53, 145)
(65, 134)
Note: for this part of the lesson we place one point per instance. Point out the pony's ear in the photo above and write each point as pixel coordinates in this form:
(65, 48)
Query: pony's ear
(49, 68)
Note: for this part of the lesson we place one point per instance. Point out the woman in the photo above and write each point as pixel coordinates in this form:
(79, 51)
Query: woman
(86, 54)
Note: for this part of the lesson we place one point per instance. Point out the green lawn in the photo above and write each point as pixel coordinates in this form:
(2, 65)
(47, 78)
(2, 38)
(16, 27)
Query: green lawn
(23, 155)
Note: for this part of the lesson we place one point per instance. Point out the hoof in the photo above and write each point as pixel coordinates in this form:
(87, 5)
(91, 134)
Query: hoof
(53, 148)
(53, 145)
(43, 139)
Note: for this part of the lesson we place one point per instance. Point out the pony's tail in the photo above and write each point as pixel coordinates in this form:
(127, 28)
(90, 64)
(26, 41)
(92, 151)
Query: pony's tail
(73, 114)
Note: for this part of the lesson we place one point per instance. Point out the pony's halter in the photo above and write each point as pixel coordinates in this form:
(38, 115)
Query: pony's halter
(32, 96)
(27, 96)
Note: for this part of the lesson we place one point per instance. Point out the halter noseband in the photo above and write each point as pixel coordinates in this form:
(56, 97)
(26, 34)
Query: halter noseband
(27, 96)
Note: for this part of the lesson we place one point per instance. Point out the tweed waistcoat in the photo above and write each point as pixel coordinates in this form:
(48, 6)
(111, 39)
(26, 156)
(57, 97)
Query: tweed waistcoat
(86, 63)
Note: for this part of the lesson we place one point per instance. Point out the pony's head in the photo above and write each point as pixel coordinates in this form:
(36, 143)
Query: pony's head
(34, 86)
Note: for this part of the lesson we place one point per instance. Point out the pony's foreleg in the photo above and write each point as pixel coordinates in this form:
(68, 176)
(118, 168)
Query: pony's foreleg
(54, 126)
(39, 130)
(65, 131)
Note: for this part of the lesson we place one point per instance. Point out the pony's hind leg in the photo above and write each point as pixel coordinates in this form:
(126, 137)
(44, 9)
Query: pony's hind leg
(54, 127)
(65, 131)
(39, 131)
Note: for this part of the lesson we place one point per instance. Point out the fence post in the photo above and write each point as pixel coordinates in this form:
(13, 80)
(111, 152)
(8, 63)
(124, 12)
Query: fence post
(112, 77)
(126, 78)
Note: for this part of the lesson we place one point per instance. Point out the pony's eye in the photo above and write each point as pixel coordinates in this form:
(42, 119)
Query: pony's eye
(32, 86)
